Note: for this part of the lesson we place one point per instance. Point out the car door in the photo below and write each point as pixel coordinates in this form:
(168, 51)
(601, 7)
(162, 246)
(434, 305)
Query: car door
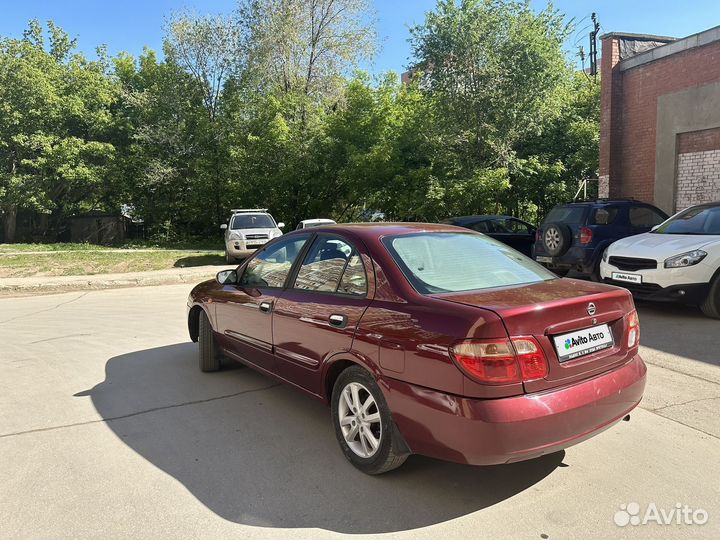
(514, 233)
(317, 315)
(244, 311)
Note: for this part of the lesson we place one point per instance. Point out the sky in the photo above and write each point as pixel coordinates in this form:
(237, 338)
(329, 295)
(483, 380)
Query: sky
(129, 25)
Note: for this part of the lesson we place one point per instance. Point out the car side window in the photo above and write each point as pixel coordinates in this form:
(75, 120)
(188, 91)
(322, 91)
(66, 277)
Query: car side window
(516, 226)
(480, 226)
(642, 216)
(354, 280)
(270, 267)
(603, 216)
(332, 265)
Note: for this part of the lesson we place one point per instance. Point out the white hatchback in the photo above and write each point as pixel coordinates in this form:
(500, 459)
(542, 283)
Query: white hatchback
(678, 260)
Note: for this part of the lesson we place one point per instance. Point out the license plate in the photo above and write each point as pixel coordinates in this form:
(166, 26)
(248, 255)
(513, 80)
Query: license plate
(581, 342)
(253, 243)
(540, 258)
(630, 278)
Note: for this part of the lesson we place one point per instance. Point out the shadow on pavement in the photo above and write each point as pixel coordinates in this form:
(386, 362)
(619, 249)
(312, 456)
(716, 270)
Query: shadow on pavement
(199, 260)
(259, 453)
(678, 329)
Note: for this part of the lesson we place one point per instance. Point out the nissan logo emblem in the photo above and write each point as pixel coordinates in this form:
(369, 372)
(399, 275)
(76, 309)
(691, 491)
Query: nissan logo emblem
(591, 309)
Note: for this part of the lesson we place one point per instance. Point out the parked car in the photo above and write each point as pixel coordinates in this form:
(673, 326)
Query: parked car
(308, 223)
(427, 339)
(514, 232)
(677, 261)
(575, 235)
(248, 229)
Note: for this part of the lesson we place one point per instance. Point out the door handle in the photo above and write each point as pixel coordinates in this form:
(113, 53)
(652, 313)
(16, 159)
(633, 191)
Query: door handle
(265, 307)
(338, 320)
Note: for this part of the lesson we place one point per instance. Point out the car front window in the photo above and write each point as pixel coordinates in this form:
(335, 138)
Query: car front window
(252, 221)
(270, 267)
(700, 220)
(454, 262)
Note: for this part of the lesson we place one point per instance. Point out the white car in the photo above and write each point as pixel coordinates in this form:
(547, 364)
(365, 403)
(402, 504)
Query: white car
(678, 260)
(247, 230)
(307, 223)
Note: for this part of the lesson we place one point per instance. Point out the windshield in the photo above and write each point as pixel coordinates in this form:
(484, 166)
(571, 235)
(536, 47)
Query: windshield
(453, 262)
(695, 220)
(317, 224)
(566, 214)
(252, 221)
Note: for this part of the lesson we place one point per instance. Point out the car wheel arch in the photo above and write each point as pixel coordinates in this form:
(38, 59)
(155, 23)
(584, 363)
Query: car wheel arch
(194, 321)
(334, 365)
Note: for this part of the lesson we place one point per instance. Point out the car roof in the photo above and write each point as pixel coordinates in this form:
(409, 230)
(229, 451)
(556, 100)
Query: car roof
(318, 220)
(606, 201)
(479, 217)
(367, 231)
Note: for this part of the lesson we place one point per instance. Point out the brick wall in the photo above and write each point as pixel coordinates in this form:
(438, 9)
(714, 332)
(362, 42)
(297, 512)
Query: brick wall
(697, 141)
(629, 112)
(698, 168)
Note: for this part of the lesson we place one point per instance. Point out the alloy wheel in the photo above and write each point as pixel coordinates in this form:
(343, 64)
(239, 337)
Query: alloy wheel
(359, 418)
(552, 238)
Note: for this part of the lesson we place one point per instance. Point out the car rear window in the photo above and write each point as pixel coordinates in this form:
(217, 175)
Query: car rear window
(566, 214)
(453, 262)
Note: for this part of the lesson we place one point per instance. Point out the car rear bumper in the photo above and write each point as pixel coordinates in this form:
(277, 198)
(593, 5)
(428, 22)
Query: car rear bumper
(493, 431)
(577, 257)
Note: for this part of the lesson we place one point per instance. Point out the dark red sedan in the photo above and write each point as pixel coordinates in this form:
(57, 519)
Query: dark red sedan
(427, 339)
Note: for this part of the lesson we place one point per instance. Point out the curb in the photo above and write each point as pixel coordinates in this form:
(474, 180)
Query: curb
(34, 285)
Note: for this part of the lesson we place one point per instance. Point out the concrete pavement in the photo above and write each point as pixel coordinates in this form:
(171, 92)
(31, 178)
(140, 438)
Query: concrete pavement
(108, 429)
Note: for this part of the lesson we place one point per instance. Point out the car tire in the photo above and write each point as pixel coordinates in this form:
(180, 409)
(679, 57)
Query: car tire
(711, 306)
(209, 354)
(556, 239)
(560, 272)
(389, 452)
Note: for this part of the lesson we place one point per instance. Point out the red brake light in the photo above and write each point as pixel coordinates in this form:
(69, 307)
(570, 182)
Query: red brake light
(585, 235)
(531, 358)
(501, 361)
(633, 337)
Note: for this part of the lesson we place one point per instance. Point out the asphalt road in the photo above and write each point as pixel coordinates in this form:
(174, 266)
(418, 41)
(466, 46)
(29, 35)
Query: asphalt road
(108, 429)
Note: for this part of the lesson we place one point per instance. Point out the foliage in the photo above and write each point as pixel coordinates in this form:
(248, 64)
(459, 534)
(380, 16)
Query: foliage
(264, 108)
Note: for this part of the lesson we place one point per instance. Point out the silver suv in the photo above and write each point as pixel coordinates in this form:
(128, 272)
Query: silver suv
(247, 230)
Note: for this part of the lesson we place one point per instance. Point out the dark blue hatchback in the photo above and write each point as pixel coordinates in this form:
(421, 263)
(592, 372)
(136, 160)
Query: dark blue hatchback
(573, 236)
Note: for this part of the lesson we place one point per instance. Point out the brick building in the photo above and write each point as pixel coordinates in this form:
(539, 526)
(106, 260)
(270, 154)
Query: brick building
(660, 118)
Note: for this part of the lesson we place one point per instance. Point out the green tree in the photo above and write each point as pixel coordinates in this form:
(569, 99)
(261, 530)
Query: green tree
(55, 126)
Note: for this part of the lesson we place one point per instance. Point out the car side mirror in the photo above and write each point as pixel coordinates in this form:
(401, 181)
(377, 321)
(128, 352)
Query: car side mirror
(223, 226)
(281, 225)
(227, 277)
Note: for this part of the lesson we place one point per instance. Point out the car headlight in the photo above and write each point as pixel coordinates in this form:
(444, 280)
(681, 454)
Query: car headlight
(235, 235)
(685, 259)
(276, 233)
(605, 255)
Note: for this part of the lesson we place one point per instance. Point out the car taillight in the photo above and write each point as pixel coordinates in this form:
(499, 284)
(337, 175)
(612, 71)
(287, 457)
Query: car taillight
(538, 235)
(585, 235)
(501, 361)
(633, 337)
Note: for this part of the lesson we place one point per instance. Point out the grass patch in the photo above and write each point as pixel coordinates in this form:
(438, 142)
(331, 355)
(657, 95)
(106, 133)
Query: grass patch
(20, 248)
(76, 262)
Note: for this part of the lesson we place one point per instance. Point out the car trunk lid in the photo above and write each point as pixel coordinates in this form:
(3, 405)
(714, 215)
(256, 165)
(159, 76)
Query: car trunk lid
(549, 309)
